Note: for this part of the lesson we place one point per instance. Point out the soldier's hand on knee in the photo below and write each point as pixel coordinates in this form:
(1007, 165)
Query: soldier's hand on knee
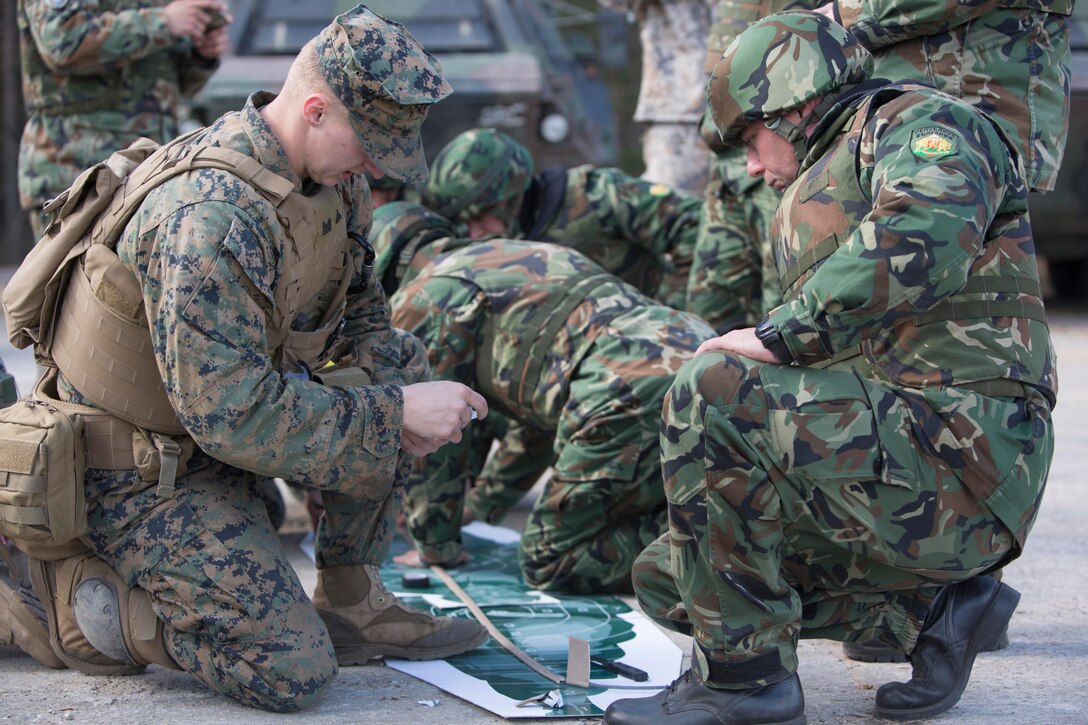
(742, 342)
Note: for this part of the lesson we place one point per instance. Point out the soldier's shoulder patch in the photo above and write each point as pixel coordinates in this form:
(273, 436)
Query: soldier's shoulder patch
(933, 142)
(660, 190)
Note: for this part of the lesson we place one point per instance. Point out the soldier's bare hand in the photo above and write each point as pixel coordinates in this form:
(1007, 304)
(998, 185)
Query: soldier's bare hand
(417, 445)
(438, 410)
(212, 44)
(742, 342)
(187, 19)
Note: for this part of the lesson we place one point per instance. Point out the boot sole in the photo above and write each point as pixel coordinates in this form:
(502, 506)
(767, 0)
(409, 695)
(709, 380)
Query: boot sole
(986, 637)
(361, 654)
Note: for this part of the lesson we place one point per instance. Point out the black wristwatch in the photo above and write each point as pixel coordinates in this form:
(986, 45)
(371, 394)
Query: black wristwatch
(771, 338)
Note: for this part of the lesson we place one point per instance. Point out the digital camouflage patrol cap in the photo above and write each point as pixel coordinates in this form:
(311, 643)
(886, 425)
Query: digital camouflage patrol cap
(388, 82)
(778, 64)
(480, 171)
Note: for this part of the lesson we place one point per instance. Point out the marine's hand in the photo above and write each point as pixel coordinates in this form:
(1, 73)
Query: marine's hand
(187, 19)
(418, 445)
(743, 342)
(438, 410)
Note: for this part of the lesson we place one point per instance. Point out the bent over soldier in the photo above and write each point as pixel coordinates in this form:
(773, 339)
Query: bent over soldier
(99, 74)
(850, 466)
(243, 278)
(486, 183)
(565, 349)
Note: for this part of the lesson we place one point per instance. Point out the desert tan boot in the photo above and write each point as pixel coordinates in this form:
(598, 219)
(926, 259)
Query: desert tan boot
(23, 623)
(366, 621)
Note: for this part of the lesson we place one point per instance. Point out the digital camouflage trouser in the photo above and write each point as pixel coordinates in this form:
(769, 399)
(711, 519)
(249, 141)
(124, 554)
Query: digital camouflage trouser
(236, 615)
(733, 280)
(820, 504)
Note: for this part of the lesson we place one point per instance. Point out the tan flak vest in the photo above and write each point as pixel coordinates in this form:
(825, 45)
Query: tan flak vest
(83, 310)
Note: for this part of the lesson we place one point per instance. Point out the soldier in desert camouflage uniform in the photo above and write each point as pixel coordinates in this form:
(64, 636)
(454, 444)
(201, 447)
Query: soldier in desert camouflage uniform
(484, 181)
(672, 90)
(846, 468)
(568, 351)
(242, 305)
(99, 74)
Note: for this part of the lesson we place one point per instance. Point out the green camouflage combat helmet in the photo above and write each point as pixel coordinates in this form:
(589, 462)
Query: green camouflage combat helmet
(399, 229)
(480, 171)
(779, 64)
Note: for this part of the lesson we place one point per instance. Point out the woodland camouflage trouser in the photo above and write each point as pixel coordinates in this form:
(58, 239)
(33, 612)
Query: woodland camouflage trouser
(820, 504)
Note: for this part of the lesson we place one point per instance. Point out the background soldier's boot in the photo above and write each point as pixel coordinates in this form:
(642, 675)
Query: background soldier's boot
(687, 701)
(23, 622)
(365, 621)
(965, 618)
(97, 623)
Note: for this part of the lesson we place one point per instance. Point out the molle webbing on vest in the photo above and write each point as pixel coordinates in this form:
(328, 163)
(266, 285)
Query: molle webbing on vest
(106, 356)
(549, 317)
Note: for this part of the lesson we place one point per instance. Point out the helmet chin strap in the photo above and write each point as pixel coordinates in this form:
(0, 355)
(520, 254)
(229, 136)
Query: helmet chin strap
(794, 133)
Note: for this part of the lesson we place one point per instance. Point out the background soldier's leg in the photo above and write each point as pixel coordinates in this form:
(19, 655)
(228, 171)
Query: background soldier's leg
(604, 502)
(726, 269)
(656, 587)
(235, 613)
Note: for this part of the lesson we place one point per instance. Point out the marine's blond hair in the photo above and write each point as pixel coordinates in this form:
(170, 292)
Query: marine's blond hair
(305, 76)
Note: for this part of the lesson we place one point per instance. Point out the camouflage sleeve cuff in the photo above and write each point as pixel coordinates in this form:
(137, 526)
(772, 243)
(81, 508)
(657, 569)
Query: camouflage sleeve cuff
(444, 553)
(807, 342)
(383, 410)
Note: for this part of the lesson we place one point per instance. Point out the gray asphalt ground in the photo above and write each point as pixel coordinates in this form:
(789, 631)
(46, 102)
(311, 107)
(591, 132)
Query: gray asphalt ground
(1041, 678)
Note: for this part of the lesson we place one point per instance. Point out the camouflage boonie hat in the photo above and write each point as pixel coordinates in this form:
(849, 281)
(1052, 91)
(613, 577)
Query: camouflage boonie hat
(387, 81)
(781, 63)
(479, 171)
(398, 230)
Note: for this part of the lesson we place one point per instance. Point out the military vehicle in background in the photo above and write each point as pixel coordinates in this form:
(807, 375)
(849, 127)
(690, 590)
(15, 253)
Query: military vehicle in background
(507, 62)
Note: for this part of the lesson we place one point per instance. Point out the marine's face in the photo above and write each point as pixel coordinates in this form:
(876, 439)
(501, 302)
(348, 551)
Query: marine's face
(770, 156)
(334, 151)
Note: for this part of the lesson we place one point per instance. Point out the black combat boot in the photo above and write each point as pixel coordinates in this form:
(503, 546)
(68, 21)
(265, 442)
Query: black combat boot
(687, 701)
(965, 618)
(876, 651)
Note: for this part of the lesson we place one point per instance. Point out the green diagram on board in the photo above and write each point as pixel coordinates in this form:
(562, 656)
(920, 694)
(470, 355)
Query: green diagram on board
(537, 622)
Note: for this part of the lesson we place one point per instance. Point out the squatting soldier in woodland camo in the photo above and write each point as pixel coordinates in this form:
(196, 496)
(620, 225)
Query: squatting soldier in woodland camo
(99, 74)
(484, 181)
(252, 278)
(847, 468)
(1010, 59)
(561, 347)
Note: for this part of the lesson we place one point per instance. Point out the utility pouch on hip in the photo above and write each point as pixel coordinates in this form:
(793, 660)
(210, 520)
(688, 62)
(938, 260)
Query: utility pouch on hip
(42, 463)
